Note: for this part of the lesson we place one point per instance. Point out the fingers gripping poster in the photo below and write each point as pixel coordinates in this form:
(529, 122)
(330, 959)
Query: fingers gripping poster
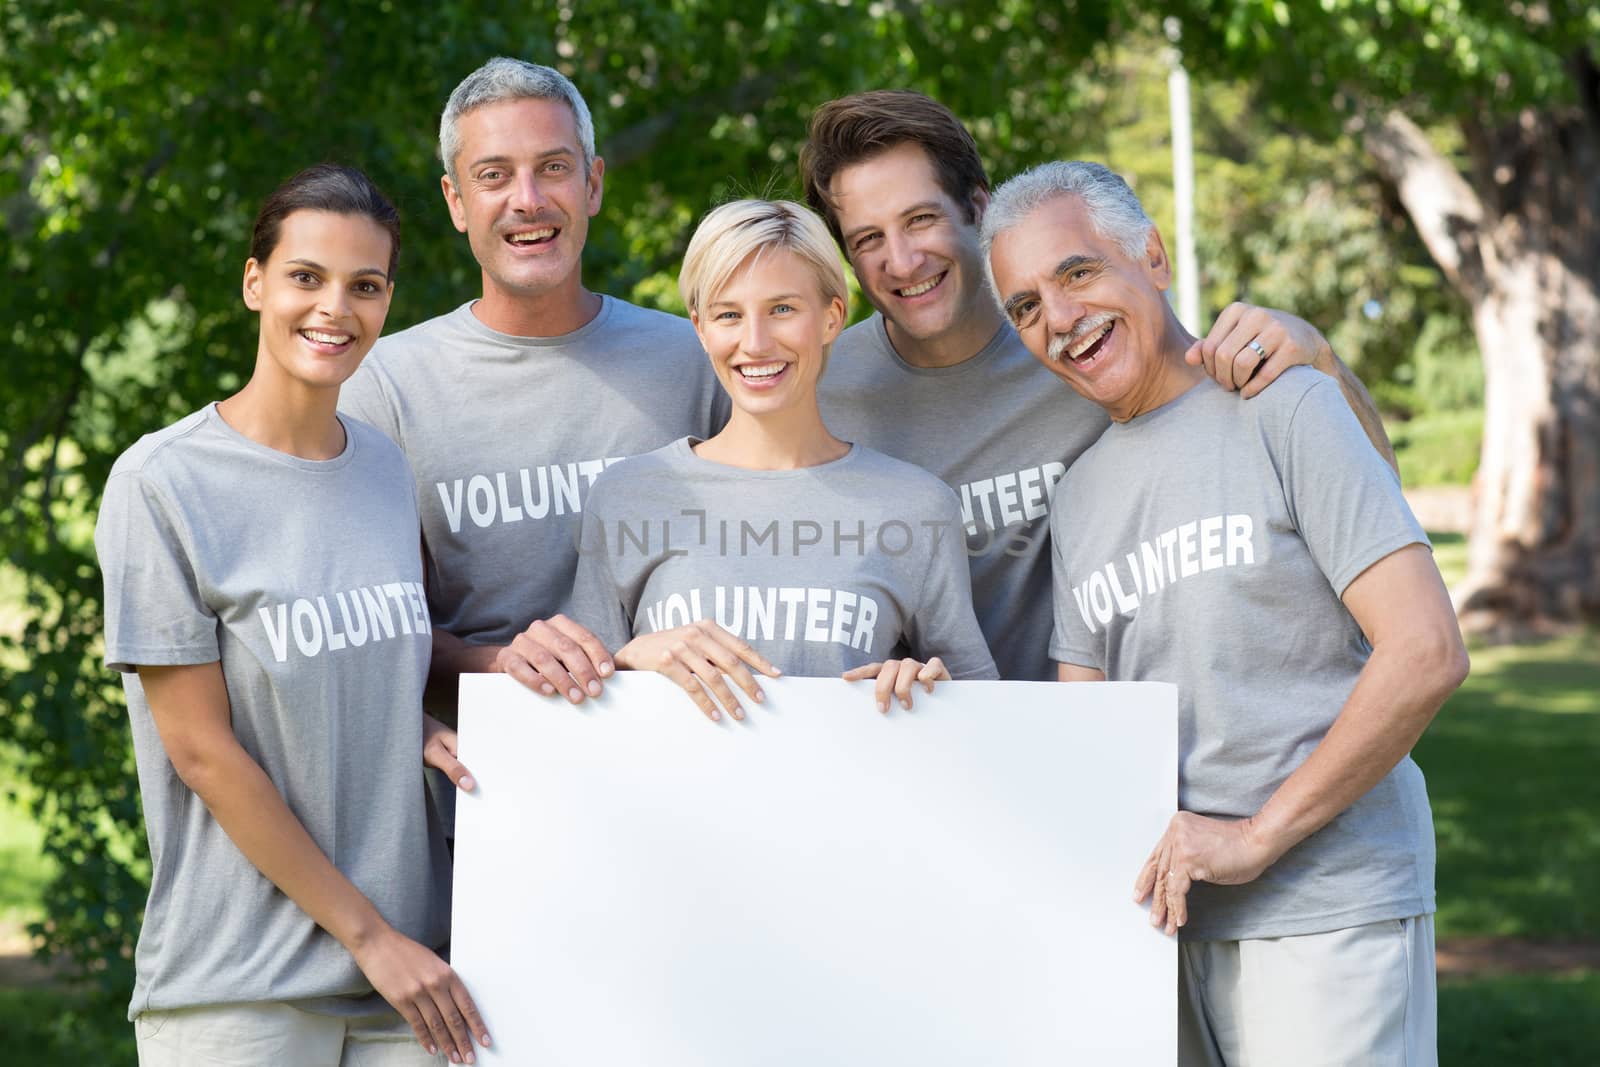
(636, 886)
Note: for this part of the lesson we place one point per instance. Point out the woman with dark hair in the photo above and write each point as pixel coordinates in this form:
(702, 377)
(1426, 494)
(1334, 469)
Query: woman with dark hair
(264, 603)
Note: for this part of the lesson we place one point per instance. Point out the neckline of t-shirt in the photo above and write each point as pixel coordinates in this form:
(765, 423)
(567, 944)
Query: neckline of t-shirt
(214, 417)
(475, 325)
(1151, 418)
(980, 359)
(683, 449)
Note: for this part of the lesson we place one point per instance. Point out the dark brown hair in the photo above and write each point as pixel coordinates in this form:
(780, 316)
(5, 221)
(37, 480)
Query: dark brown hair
(325, 187)
(855, 128)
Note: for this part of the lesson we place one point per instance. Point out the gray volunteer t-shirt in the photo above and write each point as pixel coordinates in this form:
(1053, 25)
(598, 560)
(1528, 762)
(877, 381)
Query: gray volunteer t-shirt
(999, 429)
(507, 434)
(821, 569)
(1209, 544)
(304, 579)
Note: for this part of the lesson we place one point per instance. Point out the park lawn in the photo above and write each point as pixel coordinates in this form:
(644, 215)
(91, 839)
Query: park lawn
(1511, 771)
(1511, 767)
(1549, 1020)
(62, 1028)
(1485, 1022)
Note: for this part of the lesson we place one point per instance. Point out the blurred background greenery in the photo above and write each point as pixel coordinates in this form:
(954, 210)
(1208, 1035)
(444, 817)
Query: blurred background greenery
(137, 138)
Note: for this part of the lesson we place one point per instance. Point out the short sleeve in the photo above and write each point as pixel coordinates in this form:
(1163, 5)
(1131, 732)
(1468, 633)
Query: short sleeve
(945, 624)
(155, 615)
(1343, 499)
(596, 600)
(1071, 640)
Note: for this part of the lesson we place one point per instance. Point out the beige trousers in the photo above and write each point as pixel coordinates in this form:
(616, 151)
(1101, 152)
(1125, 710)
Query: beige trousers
(1363, 995)
(273, 1034)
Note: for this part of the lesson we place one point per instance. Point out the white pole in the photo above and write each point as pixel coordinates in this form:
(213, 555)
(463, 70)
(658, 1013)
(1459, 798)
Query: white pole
(1183, 182)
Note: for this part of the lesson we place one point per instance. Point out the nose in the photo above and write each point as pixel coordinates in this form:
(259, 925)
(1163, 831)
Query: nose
(525, 196)
(1061, 311)
(755, 339)
(903, 256)
(334, 302)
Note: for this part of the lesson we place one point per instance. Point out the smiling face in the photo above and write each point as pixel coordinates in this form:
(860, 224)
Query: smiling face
(1086, 310)
(522, 198)
(914, 250)
(767, 331)
(322, 296)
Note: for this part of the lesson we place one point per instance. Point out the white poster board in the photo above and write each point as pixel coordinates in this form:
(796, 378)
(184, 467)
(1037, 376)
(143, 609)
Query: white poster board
(819, 885)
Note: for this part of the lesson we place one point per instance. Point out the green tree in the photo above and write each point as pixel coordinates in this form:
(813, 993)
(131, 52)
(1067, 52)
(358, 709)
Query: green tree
(1289, 221)
(135, 140)
(1483, 118)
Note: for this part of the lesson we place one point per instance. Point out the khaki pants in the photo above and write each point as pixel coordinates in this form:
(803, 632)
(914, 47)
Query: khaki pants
(1363, 995)
(274, 1034)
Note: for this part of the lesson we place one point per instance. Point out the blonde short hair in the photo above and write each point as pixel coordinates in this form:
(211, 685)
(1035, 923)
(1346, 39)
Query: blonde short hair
(735, 231)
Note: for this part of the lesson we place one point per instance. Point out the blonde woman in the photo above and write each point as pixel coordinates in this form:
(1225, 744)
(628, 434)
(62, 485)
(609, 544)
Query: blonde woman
(773, 546)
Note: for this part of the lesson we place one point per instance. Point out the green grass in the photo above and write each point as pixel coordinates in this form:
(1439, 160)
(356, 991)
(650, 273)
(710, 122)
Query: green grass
(1439, 448)
(1549, 1020)
(1513, 768)
(57, 1028)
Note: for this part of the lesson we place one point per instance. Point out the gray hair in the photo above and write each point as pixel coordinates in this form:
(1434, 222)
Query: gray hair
(503, 78)
(1114, 211)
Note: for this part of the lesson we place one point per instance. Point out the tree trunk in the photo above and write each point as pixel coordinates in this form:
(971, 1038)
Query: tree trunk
(1521, 241)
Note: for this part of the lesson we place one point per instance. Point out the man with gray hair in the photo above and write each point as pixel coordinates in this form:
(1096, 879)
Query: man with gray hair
(938, 378)
(510, 406)
(1261, 557)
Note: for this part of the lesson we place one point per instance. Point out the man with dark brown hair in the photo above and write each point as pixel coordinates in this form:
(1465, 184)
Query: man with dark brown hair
(938, 378)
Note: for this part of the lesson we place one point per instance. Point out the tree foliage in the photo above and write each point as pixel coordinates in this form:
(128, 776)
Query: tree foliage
(1483, 119)
(135, 142)
(1290, 221)
(1318, 62)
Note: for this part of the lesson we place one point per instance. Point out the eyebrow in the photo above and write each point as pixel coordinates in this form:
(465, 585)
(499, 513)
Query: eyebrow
(362, 273)
(768, 299)
(920, 206)
(503, 158)
(1011, 303)
(1066, 266)
(1073, 262)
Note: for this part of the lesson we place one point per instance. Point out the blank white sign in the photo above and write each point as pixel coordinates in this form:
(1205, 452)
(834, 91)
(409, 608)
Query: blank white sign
(636, 886)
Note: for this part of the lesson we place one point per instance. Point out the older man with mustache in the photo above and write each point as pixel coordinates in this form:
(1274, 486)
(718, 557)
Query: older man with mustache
(938, 378)
(1260, 556)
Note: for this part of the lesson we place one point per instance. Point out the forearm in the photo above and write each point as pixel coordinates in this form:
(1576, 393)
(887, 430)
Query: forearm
(1395, 698)
(255, 817)
(1360, 401)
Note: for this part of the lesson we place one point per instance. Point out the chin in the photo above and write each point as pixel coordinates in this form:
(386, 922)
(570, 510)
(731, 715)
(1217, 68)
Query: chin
(932, 324)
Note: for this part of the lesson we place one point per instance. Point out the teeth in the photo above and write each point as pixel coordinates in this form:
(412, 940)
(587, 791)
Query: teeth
(326, 338)
(531, 236)
(767, 371)
(1088, 342)
(920, 287)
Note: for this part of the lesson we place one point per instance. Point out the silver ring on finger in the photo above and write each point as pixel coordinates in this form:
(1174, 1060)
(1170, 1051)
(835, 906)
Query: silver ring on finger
(1256, 347)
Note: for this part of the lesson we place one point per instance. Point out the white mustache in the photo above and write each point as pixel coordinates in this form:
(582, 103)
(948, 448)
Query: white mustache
(1061, 342)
